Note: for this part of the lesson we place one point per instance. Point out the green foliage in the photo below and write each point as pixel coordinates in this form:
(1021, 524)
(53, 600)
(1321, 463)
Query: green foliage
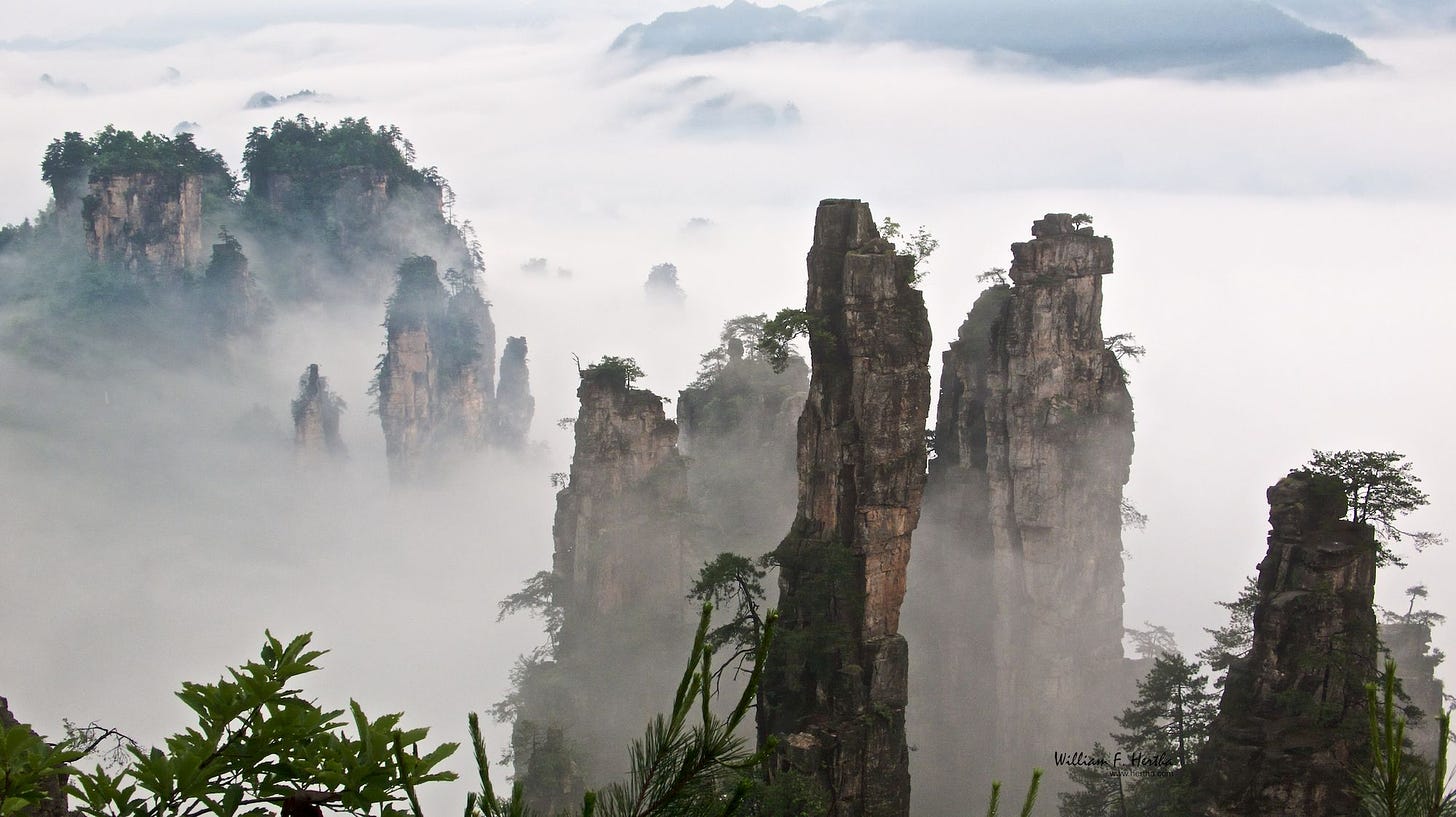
(1398, 783)
(1425, 618)
(790, 794)
(1081, 220)
(311, 153)
(995, 276)
(776, 342)
(1154, 642)
(689, 762)
(1027, 803)
(818, 642)
(29, 767)
(1124, 346)
(538, 597)
(1168, 721)
(918, 245)
(741, 339)
(1233, 640)
(453, 322)
(419, 297)
(622, 368)
(258, 742)
(1099, 791)
(113, 152)
(67, 159)
(1379, 490)
(736, 580)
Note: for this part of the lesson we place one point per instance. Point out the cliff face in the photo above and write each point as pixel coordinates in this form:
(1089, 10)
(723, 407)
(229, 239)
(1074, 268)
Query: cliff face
(1293, 717)
(466, 345)
(620, 569)
(834, 686)
(1019, 576)
(409, 374)
(232, 300)
(436, 382)
(514, 405)
(363, 219)
(148, 223)
(738, 431)
(611, 552)
(56, 804)
(316, 413)
(1407, 641)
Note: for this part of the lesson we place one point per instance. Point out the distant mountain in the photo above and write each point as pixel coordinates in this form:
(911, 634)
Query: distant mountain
(1375, 15)
(1204, 38)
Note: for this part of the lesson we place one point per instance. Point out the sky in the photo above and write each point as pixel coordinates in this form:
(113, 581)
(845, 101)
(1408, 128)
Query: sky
(1281, 251)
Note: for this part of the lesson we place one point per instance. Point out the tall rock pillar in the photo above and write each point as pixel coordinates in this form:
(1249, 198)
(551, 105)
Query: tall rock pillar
(1293, 719)
(1018, 576)
(514, 405)
(620, 579)
(835, 683)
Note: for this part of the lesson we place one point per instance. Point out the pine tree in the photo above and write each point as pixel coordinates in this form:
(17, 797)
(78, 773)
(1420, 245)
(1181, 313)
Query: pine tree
(1101, 793)
(1167, 726)
(1233, 640)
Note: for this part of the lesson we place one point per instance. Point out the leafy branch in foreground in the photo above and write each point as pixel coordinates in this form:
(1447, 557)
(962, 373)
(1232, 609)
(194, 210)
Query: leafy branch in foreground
(257, 742)
(689, 762)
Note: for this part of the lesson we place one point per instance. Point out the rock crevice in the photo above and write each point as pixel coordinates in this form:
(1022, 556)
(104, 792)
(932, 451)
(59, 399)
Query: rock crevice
(835, 683)
(1292, 723)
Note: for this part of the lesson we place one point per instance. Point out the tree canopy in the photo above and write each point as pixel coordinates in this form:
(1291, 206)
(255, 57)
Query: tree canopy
(113, 152)
(1380, 489)
(310, 151)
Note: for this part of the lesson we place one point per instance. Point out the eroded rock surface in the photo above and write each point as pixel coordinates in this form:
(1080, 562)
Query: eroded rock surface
(514, 405)
(1018, 575)
(835, 684)
(316, 413)
(1293, 718)
(148, 223)
(619, 579)
(435, 384)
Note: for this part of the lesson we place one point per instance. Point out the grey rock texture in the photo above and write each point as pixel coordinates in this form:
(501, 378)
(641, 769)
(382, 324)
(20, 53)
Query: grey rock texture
(620, 574)
(514, 405)
(1293, 718)
(148, 223)
(316, 413)
(835, 684)
(1019, 574)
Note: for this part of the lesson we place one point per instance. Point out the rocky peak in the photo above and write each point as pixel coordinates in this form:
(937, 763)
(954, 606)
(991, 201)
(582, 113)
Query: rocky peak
(436, 380)
(1293, 717)
(620, 576)
(834, 688)
(514, 405)
(316, 413)
(625, 471)
(231, 297)
(1018, 573)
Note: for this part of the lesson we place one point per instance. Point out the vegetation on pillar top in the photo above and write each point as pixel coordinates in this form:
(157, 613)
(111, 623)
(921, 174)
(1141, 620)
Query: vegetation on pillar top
(113, 152)
(1380, 489)
(313, 152)
(621, 369)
